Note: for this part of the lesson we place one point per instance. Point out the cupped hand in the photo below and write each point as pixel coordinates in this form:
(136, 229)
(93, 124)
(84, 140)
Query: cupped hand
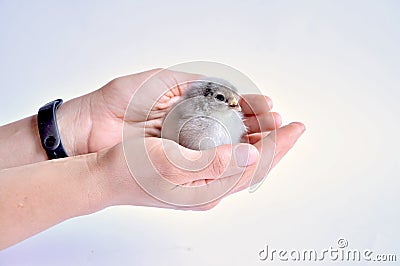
(95, 121)
(164, 173)
(159, 173)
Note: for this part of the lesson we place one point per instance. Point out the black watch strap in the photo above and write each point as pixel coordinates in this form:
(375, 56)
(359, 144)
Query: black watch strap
(48, 130)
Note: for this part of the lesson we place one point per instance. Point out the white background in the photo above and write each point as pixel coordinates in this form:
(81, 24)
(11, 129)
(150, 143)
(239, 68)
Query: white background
(334, 65)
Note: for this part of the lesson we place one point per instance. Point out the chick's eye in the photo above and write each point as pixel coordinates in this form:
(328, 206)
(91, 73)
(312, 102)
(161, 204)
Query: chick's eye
(220, 97)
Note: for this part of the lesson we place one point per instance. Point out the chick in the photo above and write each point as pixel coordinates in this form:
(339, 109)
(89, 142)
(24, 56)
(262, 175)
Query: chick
(208, 115)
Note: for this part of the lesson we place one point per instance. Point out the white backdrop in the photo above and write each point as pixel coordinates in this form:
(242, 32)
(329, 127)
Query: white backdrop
(333, 65)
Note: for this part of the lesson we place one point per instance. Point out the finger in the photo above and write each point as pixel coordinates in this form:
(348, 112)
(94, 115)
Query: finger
(177, 83)
(190, 185)
(167, 77)
(273, 147)
(253, 104)
(253, 138)
(282, 140)
(168, 172)
(266, 144)
(155, 92)
(185, 166)
(286, 137)
(263, 122)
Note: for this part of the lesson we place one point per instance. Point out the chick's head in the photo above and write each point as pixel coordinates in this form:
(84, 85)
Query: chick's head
(217, 94)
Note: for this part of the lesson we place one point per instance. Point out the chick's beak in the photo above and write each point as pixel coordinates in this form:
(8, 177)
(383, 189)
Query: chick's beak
(235, 105)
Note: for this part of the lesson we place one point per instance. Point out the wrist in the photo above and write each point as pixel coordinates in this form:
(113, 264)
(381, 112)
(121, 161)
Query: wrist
(118, 185)
(112, 176)
(97, 183)
(73, 119)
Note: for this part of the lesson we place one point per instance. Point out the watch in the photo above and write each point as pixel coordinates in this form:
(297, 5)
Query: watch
(48, 130)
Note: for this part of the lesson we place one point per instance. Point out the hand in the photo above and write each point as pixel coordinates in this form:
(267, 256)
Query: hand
(95, 121)
(227, 173)
(164, 173)
(152, 159)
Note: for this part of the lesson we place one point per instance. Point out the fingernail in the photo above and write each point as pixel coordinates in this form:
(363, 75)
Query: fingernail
(246, 155)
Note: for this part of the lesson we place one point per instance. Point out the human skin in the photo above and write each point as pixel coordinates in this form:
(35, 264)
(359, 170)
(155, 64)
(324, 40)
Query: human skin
(36, 193)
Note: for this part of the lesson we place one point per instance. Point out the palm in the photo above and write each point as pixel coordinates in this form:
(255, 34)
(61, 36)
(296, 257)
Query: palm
(112, 109)
(109, 105)
(113, 105)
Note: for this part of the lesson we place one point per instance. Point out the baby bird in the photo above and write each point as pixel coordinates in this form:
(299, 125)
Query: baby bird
(208, 115)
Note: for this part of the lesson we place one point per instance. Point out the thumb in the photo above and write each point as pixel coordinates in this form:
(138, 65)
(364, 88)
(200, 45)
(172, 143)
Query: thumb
(210, 176)
(178, 176)
(227, 160)
(182, 165)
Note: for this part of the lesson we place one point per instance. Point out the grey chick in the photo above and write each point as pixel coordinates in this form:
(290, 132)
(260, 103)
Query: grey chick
(208, 115)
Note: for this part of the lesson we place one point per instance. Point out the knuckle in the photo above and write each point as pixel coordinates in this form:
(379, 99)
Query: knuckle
(218, 165)
(115, 83)
(166, 171)
(159, 161)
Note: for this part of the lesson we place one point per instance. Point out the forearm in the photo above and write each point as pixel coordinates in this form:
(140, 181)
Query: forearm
(20, 143)
(37, 196)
